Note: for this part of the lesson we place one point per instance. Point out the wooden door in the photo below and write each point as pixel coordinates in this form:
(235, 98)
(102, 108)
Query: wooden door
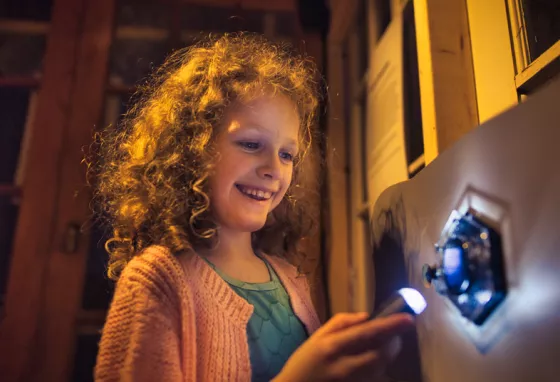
(30, 197)
(45, 273)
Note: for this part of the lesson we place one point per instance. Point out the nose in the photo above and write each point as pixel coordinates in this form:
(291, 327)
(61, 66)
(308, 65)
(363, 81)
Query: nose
(271, 168)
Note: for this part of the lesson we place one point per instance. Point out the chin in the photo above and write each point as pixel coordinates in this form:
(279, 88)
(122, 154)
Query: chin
(253, 226)
(247, 225)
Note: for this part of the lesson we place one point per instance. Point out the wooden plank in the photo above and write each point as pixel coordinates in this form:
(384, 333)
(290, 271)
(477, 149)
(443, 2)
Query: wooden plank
(546, 66)
(447, 89)
(20, 82)
(356, 264)
(9, 190)
(269, 5)
(19, 175)
(518, 30)
(343, 13)
(492, 57)
(416, 164)
(32, 241)
(260, 5)
(312, 246)
(269, 25)
(336, 232)
(337, 229)
(65, 281)
(24, 26)
(142, 33)
(426, 80)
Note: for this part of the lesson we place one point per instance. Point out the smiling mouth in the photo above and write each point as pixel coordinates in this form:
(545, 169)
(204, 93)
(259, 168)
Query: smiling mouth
(255, 193)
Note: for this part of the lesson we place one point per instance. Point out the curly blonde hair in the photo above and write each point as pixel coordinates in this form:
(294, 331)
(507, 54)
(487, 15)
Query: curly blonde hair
(152, 179)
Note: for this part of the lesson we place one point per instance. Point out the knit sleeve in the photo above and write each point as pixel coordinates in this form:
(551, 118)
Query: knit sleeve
(141, 339)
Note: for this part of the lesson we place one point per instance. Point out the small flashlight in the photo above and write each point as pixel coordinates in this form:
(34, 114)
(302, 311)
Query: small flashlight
(406, 300)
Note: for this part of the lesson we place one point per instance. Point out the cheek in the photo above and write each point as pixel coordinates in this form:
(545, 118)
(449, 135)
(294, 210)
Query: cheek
(289, 177)
(285, 185)
(229, 169)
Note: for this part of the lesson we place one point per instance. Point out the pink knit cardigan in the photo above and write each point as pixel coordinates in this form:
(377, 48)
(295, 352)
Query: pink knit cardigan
(169, 322)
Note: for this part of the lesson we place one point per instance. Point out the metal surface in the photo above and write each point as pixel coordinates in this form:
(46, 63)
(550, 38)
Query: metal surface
(509, 170)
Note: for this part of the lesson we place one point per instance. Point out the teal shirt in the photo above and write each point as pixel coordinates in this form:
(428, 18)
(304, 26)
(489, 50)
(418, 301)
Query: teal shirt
(273, 331)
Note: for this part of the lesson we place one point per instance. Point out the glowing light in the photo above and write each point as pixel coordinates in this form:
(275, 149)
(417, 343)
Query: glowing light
(483, 296)
(414, 299)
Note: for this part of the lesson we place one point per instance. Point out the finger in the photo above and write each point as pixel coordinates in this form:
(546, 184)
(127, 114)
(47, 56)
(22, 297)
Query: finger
(342, 321)
(393, 348)
(371, 364)
(389, 352)
(371, 334)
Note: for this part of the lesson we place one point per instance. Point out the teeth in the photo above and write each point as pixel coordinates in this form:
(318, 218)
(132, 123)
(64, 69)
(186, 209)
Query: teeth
(257, 193)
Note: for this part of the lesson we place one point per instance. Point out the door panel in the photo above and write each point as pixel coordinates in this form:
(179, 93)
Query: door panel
(35, 186)
(64, 283)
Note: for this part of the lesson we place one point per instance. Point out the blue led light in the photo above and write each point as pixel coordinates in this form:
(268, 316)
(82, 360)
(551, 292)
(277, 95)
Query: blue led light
(455, 267)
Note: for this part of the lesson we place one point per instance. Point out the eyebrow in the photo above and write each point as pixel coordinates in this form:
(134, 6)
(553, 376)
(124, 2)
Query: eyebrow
(256, 126)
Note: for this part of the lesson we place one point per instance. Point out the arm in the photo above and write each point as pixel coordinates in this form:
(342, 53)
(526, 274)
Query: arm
(141, 337)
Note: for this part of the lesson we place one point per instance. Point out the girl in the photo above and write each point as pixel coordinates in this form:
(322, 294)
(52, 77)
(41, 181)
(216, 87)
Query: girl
(205, 189)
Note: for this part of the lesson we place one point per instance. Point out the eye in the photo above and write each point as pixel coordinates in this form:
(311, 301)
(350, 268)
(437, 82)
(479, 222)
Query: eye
(249, 146)
(287, 156)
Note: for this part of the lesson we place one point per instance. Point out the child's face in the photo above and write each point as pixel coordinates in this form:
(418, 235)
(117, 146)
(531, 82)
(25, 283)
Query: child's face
(256, 145)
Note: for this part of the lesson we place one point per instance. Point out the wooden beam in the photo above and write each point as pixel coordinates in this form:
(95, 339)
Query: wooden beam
(33, 237)
(10, 190)
(337, 253)
(546, 66)
(416, 165)
(313, 47)
(24, 26)
(20, 82)
(356, 122)
(447, 89)
(258, 5)
(65, 279)
(343, 13)
(142, 33)
(493, 58)
(269, 25)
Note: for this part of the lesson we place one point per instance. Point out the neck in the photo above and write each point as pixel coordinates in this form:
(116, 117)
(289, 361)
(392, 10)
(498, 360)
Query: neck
(232, 245)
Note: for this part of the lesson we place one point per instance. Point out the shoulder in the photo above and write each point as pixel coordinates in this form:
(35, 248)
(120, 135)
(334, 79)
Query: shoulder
(281, 263)
(155, 270)
(284, 268)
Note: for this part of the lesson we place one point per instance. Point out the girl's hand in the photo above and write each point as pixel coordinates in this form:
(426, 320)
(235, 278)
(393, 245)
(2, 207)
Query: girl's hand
(347, 348)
